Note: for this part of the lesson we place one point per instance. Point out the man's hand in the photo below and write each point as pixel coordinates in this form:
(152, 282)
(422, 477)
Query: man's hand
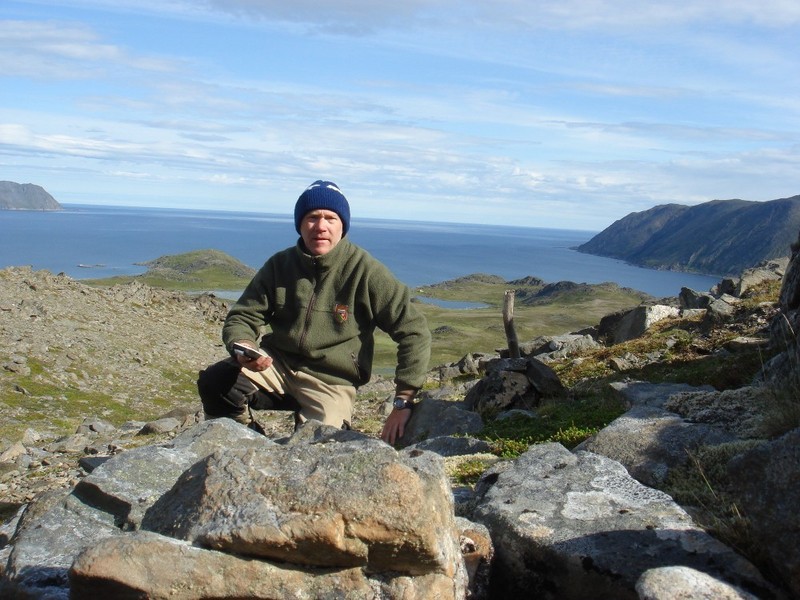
(395, 425)
(257, 364)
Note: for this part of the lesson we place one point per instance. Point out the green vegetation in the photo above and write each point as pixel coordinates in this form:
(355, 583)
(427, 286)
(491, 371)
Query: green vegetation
(567, 422)
(199, 270)
(36, 402)
(469, 471)
(460, 332)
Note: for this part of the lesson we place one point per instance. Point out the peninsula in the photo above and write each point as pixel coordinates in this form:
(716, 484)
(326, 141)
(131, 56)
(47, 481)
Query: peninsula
(26, 196)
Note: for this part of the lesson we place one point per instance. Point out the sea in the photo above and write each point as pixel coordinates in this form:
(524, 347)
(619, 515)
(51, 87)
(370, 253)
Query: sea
(93, 241)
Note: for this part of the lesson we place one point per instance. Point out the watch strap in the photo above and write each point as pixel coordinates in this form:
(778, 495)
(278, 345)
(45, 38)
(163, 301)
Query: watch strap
(402, 403)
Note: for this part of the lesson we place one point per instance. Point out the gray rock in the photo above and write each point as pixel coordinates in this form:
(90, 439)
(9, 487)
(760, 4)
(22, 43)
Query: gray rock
(50, 534)
(472, 364)
(690, 299)
(644, 393)
(92, 425)
(340, 504)
(69, 444)
(790, 290)
(578, 526)
(629, 325)
(337, 496)
(673, 583)
(517, 413)
(520, 383)
(650, 441)
(739, 411)
(783, 370)
(129, 483)
(720, 310)
(90, 463)
(772, 270)
(447, 445)
(746, 343)
(501, 390)
(13, 452)
(478, 552)
(554, 347)
(164, 425)
(436, 418)
(543, 379)
(766, 480)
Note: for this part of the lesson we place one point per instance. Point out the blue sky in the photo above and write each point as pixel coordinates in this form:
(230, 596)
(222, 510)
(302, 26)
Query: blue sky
(566, 114)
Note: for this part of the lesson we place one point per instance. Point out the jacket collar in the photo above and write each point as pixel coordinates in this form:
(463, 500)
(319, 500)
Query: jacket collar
(325, 262)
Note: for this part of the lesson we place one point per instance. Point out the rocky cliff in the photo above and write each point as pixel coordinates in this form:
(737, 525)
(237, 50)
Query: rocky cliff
(722, 237)
(25, 196)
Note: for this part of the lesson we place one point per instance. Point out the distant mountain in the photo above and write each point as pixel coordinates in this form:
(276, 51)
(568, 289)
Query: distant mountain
(721, 237)
(25, 196)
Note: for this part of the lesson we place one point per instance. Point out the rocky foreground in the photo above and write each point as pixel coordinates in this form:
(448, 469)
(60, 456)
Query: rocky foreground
(168, 506)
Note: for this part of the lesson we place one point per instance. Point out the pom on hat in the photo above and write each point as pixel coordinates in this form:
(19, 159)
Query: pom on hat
(325, 195)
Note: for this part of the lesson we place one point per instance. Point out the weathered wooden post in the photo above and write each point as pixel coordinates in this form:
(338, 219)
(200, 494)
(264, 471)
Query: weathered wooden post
(508, 323)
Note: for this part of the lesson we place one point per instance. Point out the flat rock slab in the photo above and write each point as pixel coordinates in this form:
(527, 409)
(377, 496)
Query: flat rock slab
(576, 525)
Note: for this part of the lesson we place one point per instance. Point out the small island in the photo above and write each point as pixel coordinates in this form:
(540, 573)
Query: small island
(26, 196)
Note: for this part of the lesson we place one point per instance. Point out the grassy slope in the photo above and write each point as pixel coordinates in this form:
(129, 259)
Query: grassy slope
(455, 332)
(459, 332)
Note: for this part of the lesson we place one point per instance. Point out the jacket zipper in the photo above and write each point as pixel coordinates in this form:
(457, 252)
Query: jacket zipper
(310, 308)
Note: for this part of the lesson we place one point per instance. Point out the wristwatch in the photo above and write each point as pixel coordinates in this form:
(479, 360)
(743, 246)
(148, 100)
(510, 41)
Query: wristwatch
(401, 403)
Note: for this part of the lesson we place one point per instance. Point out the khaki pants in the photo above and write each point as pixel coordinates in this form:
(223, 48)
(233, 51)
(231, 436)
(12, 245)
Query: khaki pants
(330, 404)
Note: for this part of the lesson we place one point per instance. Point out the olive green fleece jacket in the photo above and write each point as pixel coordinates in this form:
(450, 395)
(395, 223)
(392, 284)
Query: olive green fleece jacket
(319, 314)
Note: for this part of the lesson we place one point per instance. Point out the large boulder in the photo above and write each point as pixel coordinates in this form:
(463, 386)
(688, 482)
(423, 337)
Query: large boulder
(357, 503)
(128, 484)
(649, 442)
(434, 418)
(223, 512)
(514, 383)
(576, 525)
(628, 325)
(770, 270)
(739, 411)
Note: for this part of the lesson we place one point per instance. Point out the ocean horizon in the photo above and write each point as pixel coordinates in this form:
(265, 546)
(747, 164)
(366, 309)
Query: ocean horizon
(94, 241)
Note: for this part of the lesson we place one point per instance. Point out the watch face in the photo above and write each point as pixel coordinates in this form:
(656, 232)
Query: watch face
(399, 403)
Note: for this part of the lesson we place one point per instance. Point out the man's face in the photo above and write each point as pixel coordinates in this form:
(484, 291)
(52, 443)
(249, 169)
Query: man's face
(321, 230)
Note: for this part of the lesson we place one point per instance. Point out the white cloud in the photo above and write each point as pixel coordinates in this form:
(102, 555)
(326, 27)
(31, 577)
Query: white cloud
(57, 50)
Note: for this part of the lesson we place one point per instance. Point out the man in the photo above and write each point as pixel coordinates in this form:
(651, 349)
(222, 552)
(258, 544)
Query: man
(317, 305)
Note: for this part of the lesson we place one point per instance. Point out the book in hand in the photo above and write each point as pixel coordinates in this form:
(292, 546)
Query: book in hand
(249, 352)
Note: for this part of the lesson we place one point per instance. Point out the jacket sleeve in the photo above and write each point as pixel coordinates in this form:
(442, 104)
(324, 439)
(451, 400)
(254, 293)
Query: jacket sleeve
(398, 317)
(249, 316)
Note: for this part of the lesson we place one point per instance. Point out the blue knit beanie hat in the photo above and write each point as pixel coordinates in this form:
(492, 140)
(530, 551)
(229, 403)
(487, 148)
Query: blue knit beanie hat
(326, 195)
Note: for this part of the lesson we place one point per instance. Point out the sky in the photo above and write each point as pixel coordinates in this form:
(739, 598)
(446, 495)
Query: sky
(568, 114)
